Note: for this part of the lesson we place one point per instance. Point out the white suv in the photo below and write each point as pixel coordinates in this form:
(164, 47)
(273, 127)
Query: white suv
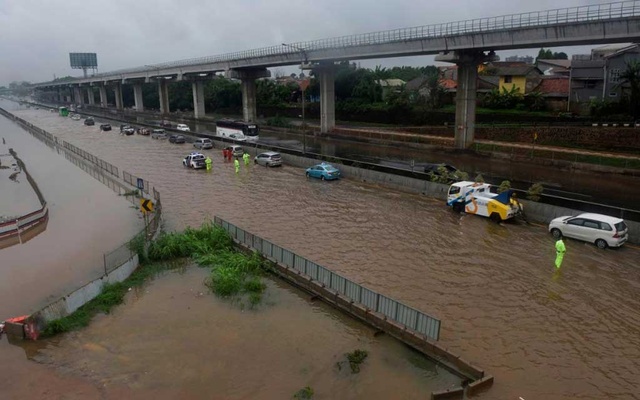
(183, 128)
(600, 229)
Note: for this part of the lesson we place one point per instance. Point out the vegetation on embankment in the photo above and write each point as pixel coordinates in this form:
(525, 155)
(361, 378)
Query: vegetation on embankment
(233, 274)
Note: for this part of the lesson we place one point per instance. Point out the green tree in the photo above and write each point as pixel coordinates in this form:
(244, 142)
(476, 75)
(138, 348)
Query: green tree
(631, 76)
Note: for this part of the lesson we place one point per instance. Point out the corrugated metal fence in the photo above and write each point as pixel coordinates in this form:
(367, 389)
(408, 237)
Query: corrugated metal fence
(392, 309)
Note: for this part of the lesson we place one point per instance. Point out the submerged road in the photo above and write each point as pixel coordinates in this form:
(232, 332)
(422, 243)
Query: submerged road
(572, 334)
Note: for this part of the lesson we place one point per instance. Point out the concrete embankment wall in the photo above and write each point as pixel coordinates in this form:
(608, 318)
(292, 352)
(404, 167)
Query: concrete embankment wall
(118, 272)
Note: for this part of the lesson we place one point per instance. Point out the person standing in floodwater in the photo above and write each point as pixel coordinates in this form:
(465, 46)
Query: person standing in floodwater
(236, 164)
(208, 162)
(560, 250)
(246, 157)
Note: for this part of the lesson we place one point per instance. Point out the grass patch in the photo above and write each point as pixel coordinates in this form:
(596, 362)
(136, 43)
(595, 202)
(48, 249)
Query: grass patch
(356, 358)
(134, 193)
(306, 393)
(232, 273)
(112, 295)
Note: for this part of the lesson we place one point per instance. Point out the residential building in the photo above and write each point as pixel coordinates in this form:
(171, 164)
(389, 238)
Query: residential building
(390, 85)
(554, 67)
(517, 75)
(599, 77)
(555, 90)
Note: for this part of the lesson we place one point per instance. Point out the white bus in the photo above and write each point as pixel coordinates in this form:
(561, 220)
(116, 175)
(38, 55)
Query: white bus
(237, 130)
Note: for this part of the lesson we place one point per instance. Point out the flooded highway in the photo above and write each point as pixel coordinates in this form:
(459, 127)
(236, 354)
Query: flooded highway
(572, 334)
(570, 183)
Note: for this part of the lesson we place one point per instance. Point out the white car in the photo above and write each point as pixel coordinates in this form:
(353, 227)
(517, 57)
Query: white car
(183, 128)
(602, 230)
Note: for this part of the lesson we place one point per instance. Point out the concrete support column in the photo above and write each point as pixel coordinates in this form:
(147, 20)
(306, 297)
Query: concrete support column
(137, 97)
(91, 96)
(163, 94)
(117, 90)
(466, 104)
(467, 62)
(198, 99)
(327, 98)
(77, 96)
(248, 78)
(249, 106)
(103, 96)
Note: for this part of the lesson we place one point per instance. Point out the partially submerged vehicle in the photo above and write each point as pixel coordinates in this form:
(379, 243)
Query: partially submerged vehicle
(477, 198)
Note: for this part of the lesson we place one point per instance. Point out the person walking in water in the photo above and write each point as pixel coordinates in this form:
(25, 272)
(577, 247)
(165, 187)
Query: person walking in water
(246, 157)
(560, 250)
(208, 162)
(236, 164)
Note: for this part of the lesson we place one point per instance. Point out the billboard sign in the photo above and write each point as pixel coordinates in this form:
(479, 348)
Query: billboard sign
(83, 60)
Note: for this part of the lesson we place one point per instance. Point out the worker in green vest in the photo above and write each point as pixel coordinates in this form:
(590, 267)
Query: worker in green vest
(246, 158)
(560, 250)
(236, 164)
(208, 161)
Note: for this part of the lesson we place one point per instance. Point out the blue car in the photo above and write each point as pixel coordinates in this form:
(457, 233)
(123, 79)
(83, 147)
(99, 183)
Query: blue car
(323, 171)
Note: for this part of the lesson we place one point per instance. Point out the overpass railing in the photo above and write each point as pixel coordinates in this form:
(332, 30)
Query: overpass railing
(408, 317)
(596, 12)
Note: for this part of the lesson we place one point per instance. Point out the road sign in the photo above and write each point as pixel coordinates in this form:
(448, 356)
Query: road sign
(146, 205)
(140, 183)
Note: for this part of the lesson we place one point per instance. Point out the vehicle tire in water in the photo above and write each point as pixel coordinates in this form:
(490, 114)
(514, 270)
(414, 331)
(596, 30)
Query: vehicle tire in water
(601, 243)
(495, 217)
(307, 174)
(321, 177)
(556, 233)
(458, 207)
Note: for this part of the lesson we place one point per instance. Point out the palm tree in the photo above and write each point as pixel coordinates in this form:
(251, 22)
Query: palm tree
(631, 76)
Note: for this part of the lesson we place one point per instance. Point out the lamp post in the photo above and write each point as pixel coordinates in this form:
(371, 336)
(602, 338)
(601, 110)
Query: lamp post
(303, 87)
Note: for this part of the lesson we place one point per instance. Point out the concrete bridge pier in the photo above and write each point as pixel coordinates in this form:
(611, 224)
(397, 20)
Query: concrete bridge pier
(78, 98)
(163, 95)
(91, 96)
(103, 96)
(137, 97)
(248, 78)
(327, 75)
(467, 62)
(198, 99)
(117, 91)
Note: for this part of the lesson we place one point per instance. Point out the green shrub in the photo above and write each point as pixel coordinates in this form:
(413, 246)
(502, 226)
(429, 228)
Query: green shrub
(534, 192)
(504, 186)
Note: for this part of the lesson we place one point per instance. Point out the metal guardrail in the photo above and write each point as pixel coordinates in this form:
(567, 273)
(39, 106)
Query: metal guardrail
(124, 252)
(408, 317)
(596, 12)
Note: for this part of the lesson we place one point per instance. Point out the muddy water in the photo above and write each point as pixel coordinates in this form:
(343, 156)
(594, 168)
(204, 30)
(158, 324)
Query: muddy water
(56, 258)
(299, 342)
(573, 334)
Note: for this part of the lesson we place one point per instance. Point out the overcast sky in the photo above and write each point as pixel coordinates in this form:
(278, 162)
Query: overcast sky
(36, 36)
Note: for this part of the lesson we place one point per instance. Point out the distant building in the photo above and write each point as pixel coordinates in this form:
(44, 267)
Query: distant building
(555, 90)
(522, 59)
(554, 67)
(598, 78)
(523, 77)
(390, 85)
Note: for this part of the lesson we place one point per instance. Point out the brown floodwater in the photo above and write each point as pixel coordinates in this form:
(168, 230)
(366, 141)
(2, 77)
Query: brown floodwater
(572, 334)
(173, 339)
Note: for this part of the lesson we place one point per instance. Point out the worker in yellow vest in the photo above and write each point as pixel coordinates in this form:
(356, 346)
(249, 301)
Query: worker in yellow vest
(236, 164)
(246, 157)
(560, 250)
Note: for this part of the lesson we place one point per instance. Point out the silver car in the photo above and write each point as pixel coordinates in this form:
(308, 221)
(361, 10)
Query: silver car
(158, 134)
(268, 159)
(602, 230)
(203, 144)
